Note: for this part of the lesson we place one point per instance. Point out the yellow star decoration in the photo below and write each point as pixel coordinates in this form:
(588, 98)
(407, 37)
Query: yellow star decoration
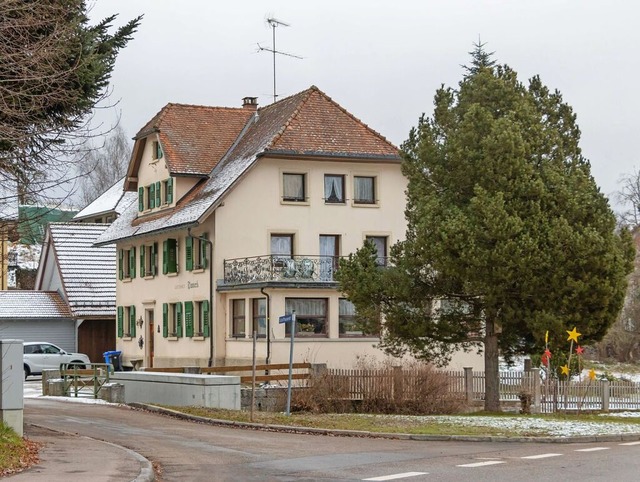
(565, 370)
(573, 335)
(592, 374)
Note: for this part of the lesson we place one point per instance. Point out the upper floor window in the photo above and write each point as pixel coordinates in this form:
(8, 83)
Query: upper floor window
(334, 188)
(364, 190)
(148, 260)
(282, 245)
(170, 256)
(293, 187)
(157, 150)
(380, 242)
(329, 255)
(150, 196)
(167, 191)
(127, 263)
(196, 252)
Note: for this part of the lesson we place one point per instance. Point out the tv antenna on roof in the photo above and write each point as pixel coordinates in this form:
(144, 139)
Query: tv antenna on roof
(274, 22)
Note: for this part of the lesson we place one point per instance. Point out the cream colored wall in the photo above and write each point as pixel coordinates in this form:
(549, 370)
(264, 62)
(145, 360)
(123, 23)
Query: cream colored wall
(150, 292)
(254, 210)
(153, 170)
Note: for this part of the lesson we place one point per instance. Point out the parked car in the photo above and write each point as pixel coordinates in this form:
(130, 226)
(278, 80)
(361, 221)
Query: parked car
(39, 355)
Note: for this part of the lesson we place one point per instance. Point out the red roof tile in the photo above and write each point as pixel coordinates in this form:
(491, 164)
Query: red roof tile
(193, 137)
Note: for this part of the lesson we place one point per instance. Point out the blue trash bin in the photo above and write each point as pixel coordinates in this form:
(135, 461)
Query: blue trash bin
(114, 357)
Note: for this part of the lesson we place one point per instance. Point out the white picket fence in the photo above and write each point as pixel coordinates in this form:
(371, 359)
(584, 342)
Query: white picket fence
(548, 396)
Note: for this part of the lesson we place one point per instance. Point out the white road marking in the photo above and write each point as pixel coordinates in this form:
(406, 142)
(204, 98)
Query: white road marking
(482, 464)
(397, 476)
(541, 456)
(630, 443)
(592, 449)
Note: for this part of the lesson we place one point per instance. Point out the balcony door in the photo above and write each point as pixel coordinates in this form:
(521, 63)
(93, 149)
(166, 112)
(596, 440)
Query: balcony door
(329, 252)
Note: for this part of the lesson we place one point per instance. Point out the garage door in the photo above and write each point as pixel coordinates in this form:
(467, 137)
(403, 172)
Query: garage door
(58, 332)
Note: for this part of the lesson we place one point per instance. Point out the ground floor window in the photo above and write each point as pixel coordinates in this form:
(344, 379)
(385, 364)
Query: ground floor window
(311, 316)
(259, 312)
(172, 319)
(238, 318)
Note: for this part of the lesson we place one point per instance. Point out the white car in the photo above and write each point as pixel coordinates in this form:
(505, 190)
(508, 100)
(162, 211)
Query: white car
(40, 355)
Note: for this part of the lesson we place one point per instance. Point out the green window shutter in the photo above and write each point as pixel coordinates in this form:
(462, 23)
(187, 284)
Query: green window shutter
(189, 253)
(154, 258)
(169, 190)
(158, 195)
(120, 270)
(203, 251)
(120, 325)
(205, 317)
(152, 195)
(165, 256)
(165, 320)
(140, 199)
(188, 318)
(132, 262)
(179, 320)
(172, 255)
(132, 320)
(142, 254)
(158, 150)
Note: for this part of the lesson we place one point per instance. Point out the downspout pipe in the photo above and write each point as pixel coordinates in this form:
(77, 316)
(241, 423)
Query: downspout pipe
(211, 326)
(268, 324)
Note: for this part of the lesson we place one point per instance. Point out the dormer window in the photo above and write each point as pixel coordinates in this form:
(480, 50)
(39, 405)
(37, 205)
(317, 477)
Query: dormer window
(157, 150)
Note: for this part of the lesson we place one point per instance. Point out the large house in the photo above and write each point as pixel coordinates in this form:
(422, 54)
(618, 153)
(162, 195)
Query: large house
(242, 214)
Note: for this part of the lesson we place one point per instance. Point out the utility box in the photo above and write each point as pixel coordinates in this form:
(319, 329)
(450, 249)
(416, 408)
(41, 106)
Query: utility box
(12, 384)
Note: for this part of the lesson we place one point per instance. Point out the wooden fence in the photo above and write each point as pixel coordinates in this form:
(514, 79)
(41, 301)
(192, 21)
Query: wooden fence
(546, 396)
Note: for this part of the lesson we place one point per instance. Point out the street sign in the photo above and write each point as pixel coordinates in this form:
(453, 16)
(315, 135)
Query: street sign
(285, 319)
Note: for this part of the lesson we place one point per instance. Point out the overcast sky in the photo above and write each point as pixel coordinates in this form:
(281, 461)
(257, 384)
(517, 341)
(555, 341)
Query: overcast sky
(384, 60)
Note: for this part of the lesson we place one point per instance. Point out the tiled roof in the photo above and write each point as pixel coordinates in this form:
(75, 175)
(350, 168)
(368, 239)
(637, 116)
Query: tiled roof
(88, 272)
(307, 123)
(112, 200)
(321, 126)
(193, 137)
(16, 304)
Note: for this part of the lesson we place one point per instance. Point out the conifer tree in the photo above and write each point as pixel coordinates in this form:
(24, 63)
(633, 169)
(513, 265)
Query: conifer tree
(508, 234)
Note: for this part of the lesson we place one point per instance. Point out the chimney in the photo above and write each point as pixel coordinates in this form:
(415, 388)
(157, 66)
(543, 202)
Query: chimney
(250, 103)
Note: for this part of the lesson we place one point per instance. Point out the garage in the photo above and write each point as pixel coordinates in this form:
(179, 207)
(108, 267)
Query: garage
(37, 316)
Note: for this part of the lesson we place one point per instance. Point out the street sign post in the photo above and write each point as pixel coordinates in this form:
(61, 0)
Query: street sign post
(290, 319)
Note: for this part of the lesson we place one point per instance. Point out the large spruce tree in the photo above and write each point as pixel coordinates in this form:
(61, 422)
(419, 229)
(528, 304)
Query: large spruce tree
(508, 234)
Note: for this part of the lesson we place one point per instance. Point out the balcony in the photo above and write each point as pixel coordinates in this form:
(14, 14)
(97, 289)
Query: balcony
(280, 269)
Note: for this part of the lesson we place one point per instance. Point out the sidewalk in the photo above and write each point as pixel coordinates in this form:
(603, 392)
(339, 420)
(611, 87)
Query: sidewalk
(68, 457)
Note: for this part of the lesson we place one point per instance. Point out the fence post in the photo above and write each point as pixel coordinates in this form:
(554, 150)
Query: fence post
(398, 387)
(468, 383)
(605, 395)
(535, 384)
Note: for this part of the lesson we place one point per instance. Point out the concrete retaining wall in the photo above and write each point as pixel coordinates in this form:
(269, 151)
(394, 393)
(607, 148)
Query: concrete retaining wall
(180, 389)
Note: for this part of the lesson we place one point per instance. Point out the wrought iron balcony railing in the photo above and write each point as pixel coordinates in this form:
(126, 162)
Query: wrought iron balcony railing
(259, 269)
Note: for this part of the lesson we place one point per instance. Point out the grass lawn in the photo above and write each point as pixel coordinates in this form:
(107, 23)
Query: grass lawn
(478, 424)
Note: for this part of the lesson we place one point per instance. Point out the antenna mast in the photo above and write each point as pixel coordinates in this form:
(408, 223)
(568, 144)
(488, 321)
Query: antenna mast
(274, 22)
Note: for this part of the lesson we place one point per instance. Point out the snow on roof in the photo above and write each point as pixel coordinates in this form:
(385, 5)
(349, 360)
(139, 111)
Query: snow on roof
(113, 199)
(16, 304)
(88, 272)
(299, 124)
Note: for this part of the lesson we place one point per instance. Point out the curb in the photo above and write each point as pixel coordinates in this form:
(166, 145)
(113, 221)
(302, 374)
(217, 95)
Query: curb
(146, 468)
(629, 437)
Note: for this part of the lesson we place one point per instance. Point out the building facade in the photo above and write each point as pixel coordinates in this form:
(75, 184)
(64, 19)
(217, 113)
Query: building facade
(241, 217)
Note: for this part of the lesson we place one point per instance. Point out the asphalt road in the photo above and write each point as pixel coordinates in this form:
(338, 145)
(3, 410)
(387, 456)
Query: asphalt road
(188, 451)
